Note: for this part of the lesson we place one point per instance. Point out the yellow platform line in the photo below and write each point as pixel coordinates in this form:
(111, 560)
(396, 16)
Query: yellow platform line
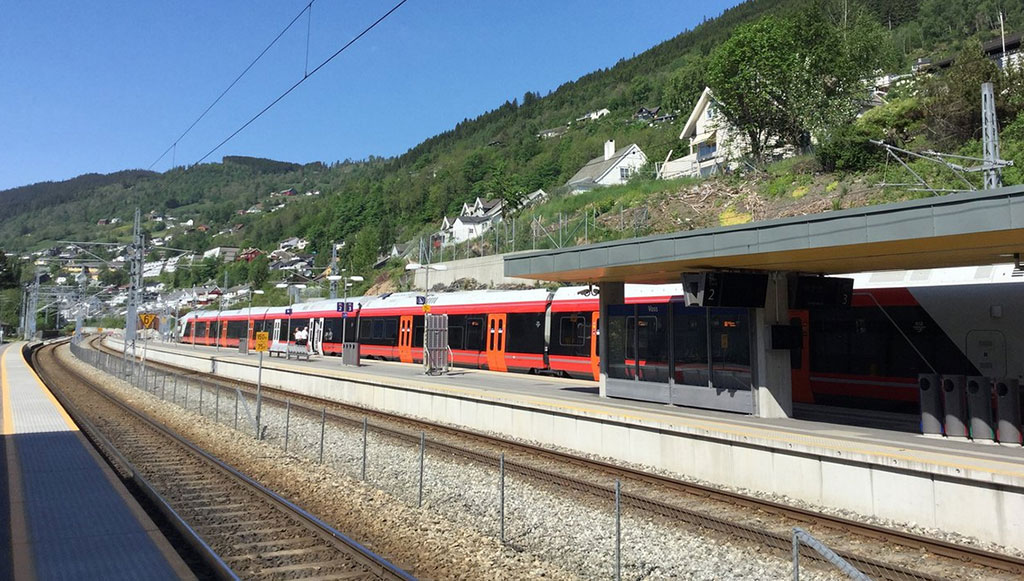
(7, 428)
(8, 417)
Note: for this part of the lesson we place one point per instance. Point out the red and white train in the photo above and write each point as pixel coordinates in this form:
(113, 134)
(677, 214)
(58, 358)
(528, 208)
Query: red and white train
(961, 320)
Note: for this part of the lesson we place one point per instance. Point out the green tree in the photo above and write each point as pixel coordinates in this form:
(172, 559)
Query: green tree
(114, 277)
(10, 272)
(365, 249)
(259, 270)
(506, 187)
(780, 80)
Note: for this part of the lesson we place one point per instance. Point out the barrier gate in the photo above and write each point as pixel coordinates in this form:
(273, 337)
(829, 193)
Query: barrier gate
(436, 354)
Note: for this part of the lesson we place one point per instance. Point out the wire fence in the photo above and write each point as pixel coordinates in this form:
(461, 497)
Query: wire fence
(600, 529)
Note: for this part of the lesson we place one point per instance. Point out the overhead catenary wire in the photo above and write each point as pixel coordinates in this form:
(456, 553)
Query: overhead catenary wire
(303, 79)
(308, 8)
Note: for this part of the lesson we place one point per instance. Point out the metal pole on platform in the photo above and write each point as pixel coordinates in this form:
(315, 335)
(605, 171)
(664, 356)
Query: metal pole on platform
(323, 424)
(364, 449)
(259, 397)
(618, 529)
(423, 441)
(287, 423)
(501, 496)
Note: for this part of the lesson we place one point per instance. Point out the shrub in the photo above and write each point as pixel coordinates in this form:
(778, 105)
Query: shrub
(848, 149)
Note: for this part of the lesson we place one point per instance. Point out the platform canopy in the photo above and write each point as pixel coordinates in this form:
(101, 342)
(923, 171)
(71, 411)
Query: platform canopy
(963, 229)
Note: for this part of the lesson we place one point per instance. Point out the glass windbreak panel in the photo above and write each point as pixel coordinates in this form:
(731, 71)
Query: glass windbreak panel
(690, 344)
(652, 342)
(620, 320)
(730, 348)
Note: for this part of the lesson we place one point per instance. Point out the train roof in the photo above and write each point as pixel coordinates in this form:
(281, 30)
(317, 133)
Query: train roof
(988, 274)
(964, 275)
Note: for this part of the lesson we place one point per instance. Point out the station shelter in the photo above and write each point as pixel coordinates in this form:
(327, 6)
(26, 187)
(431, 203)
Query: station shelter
(728, 346)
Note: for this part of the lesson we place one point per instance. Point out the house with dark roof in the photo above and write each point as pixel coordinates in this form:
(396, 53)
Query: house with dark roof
(613, 168)
(646, 114)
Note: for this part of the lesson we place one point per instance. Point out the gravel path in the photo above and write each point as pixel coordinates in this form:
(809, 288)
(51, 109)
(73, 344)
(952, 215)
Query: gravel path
(550, 534)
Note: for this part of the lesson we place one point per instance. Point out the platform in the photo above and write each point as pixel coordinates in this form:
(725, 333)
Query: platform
(971, 488)
(69, 516)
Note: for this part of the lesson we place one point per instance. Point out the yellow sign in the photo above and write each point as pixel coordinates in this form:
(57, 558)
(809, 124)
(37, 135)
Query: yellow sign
(262, 341)
(148, 320)
(426, 308)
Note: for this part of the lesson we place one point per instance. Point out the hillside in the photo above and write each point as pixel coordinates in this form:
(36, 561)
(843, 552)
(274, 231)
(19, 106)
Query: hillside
(373, 203)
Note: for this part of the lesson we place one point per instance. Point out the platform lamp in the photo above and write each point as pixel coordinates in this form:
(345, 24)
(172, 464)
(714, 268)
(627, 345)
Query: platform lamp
(426, 268)
(248, 327)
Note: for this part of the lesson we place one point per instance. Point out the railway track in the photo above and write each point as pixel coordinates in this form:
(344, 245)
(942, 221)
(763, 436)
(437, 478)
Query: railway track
(752, 519)
(251, 532)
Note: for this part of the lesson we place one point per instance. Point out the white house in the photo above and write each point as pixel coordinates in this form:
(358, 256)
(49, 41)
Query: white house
(469, 227)
(715, 145)
(224, 253)
(593, 115)
(613, 168)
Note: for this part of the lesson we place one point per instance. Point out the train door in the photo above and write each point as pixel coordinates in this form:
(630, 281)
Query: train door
(496, 342)
(800, 360)
(595, 354)
(277, 331)
(405, 339)
(316, 335)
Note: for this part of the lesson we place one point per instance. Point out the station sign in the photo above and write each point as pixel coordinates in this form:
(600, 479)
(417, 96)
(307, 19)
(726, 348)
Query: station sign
(262, 341)
(421, 300)
(347, 307)
(288, 311)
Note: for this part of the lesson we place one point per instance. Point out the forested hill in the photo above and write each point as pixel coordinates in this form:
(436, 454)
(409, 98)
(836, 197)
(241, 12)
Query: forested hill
(374, 202)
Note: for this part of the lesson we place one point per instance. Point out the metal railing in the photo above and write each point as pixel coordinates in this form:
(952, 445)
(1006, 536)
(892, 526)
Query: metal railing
(638, 530)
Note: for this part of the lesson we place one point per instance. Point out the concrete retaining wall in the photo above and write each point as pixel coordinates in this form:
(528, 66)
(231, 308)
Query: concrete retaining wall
(488, 270)
(980, 503)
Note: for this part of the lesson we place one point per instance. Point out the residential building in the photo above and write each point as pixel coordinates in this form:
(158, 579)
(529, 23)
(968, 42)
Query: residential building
(553, 132)
(224, 253)
(613, 168)
(593, 115)
(714, 145)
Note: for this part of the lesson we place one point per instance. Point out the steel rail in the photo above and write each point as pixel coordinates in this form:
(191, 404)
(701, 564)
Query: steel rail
(379, 566)
(960, 553)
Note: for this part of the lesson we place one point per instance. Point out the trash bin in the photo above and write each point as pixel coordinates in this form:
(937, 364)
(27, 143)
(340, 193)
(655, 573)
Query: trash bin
(953, 388)
(979, 408)
(243, 347)
(350, 354)
(931, 403)
(1008, 426)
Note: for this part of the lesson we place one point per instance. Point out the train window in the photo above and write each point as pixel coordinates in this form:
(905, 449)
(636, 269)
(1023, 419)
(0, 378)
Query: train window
(456, 337)
(572, 331)
(524, 332)
(474, 333)
(366, 329)
(391, 329)
(201, 329)
(417, 331)
(236, 329)
(378, 329)
(188, 329)
(456, 331)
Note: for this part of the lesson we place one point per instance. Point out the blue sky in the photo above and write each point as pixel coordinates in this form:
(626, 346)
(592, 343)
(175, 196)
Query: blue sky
(105, 86)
